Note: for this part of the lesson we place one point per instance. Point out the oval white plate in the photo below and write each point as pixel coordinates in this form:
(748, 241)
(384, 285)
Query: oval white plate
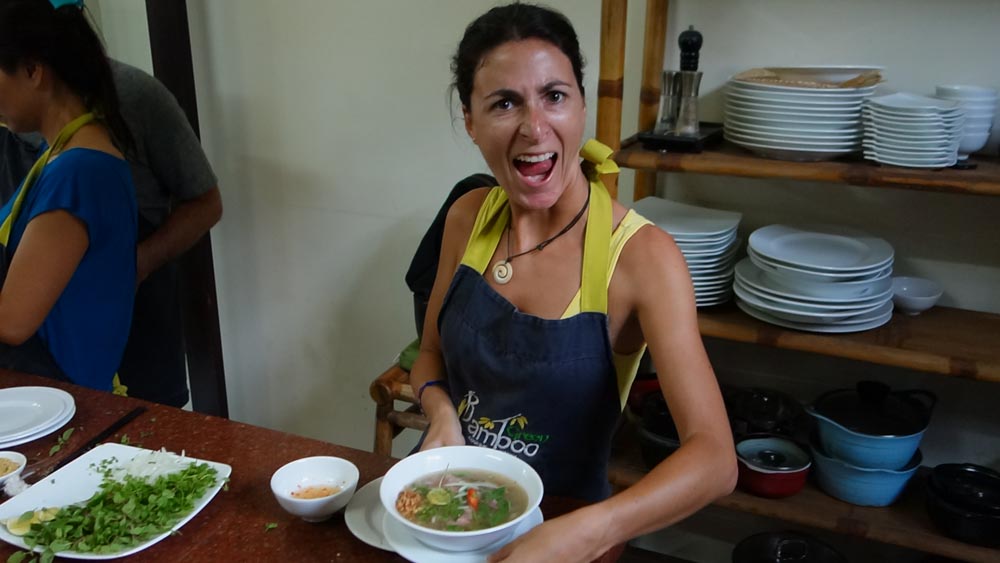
(822, 292)
(803, 314)
(809, 306)
(852, 118)
(823, 328)
(826, 248)
(682, 219)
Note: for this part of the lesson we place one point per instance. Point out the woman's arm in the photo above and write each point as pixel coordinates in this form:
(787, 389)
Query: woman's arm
(444, 428)
(49, 252)
(657, 289)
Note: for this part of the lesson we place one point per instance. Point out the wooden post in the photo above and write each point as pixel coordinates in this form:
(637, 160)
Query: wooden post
(610, 85)
(652, 72)
(170, 42)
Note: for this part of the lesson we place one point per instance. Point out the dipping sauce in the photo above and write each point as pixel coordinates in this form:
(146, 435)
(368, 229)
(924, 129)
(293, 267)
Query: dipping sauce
(318, 491)
(7, 466)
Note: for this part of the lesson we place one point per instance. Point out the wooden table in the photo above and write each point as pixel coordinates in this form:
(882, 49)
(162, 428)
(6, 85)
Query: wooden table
(233, 527)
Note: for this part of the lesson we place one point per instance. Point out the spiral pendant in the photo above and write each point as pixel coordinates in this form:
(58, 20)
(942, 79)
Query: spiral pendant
(502, 272)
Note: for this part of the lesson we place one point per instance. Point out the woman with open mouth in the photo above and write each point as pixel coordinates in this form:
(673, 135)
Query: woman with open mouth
(547, 294)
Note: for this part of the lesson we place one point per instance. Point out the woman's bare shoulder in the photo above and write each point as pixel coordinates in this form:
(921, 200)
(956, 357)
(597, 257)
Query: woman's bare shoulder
(461, 218)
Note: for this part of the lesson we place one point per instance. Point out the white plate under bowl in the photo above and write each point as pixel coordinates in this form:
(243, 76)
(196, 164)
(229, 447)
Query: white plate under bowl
(791, 272)
(406, 545)
(809, 306)
(79, 480)
(823, 292)
(809, 327)
(364, 515)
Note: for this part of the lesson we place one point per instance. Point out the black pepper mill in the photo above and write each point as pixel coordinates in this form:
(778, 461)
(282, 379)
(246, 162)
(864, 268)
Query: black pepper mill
(690, 81)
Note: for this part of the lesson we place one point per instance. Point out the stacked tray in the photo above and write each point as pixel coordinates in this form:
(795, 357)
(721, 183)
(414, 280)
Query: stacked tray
(911, 130)
(818, 279)
(707, 239)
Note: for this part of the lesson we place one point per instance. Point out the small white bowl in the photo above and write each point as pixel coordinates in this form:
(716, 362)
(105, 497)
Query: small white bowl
(914, 295)
(17, 458)
(319, 471)
(457, 458)
(965, 92)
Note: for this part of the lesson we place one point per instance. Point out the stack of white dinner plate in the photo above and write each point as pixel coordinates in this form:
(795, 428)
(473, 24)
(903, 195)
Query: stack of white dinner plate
(30, 413)
(818, 279)
(707, 239)
(910, 130)
(794, 123)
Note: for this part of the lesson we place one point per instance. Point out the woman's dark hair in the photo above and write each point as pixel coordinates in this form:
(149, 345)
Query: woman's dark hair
(33, 31)
(512, 22)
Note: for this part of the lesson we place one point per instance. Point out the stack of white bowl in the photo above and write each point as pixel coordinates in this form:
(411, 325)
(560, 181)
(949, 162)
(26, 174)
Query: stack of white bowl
(794, 123)
(906, 129)
(980, 105)
(706, 238)
(818, 279)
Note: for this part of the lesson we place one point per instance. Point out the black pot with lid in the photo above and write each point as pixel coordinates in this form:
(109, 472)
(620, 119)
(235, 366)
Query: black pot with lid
(785, 547)
(760, 410)
(969, 486)
(872, 408)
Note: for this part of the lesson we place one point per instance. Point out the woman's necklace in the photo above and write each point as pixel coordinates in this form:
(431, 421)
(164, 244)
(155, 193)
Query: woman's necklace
(503, 271)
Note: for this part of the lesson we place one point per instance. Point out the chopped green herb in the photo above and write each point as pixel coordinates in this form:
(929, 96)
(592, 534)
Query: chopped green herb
(61, 441)
(270, 526)
(124, 439)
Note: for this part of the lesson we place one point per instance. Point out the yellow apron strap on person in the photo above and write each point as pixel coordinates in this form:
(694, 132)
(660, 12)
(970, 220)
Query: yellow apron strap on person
(117, 388)
(597, 240)
(494, 214)
(36, 171)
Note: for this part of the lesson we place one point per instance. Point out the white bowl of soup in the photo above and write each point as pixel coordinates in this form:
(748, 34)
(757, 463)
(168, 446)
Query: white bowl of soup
(314, 488)
(461, 498)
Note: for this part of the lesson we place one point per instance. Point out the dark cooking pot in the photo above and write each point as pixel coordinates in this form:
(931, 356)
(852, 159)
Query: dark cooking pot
(969, 486)
(785, 547)
(871, 426)
(757, 409)
(771, 466)
(960, 523)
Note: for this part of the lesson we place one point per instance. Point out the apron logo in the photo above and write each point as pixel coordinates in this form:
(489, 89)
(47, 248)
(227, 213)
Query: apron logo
(499, 434)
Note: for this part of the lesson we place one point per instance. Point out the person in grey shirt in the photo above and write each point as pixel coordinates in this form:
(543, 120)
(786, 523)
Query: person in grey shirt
(179, 201)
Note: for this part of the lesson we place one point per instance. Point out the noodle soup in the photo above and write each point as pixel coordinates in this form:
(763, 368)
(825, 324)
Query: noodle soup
(462, 500)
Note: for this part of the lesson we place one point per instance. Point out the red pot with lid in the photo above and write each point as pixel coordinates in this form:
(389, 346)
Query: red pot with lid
(771, 466)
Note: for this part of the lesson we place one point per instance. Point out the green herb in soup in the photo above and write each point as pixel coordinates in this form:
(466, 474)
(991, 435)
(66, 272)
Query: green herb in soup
(462, 500)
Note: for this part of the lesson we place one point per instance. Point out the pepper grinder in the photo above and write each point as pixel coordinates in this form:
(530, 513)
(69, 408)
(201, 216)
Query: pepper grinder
(690, 81)
(670, 92)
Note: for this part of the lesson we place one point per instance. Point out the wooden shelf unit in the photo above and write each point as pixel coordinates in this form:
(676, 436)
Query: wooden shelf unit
(941, 340)
(904, 523)
(731, 160)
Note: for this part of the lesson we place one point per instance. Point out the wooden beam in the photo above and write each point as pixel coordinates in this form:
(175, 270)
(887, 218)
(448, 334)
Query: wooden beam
(610, 85)
(654, 43)
(170, 42)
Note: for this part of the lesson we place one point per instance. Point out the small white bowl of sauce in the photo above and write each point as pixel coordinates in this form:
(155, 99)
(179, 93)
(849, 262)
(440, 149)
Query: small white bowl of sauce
(11, 463)
(314, 488)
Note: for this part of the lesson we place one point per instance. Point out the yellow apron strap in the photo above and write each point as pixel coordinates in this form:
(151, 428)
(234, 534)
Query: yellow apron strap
(494, 214)
(597, 240)
(36, 171)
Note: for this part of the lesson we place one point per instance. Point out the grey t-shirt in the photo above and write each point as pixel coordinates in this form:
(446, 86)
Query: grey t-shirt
(168, 164)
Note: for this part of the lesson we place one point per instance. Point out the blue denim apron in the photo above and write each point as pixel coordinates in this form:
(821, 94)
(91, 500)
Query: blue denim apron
(544, 390)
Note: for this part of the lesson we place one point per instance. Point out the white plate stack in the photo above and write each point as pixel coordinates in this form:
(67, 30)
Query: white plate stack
(980, 105)
(707, 239)
(818, 279)
(29, 413)
(794, 123)
(910, 130)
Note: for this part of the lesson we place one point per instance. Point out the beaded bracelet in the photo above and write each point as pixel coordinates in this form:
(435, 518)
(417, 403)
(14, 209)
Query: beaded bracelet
(431, 383)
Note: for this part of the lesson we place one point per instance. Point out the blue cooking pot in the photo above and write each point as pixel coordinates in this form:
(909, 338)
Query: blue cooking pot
(872, 426)
(861, 485)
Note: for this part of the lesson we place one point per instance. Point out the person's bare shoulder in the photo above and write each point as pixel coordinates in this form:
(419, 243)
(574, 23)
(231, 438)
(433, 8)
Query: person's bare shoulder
(461, 218)
(653, 264)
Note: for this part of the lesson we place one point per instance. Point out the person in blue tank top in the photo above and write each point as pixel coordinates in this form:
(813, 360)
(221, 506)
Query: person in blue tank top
(547, 293)
(69, 233)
